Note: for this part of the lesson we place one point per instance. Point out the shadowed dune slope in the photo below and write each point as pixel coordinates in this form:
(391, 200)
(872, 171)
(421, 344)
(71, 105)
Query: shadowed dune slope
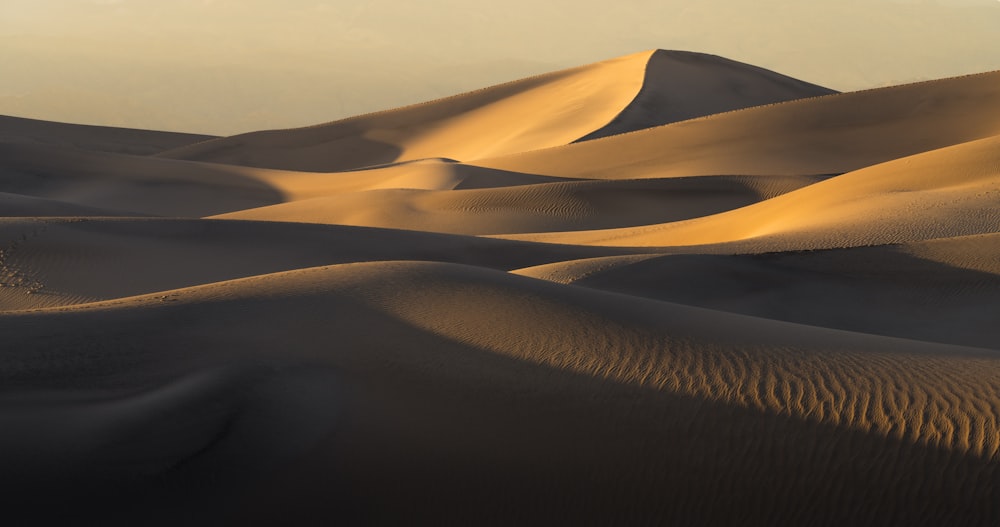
(168, 187)
(681, 85)
(938, 290)
(98, 138)
(822, 135)
(614, 96)
(130, 184)
(568, 206)
(512, 380)
(72, 260)
(16, 205)
(953, 191)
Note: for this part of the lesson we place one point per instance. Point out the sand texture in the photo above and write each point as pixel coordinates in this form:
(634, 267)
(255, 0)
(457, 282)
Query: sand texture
(663, 289)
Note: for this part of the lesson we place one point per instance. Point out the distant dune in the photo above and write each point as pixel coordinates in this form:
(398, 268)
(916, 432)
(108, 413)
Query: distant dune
(565, 206)
(99, 138)
(953, 191)
(620, 95)
(824, 135)
(663, 289)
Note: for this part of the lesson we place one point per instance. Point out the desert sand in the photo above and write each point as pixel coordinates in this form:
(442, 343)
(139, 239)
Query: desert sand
(663, 289)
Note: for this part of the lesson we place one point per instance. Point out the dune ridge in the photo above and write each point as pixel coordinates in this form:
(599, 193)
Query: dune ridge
(444, 127)
(97, 138)
(821, 135)
(683, 85)
(663, 289)
(948, 192)
(562, 206)
(620, 95)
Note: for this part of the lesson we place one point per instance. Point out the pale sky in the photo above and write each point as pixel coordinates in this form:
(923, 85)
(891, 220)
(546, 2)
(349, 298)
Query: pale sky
(228, 66)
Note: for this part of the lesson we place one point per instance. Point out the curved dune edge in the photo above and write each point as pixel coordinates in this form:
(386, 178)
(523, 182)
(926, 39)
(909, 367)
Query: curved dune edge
(546, 110)
(633, 341)
(820, 135)
(905, 290)
(682, 85)
(491, 364)
(63, 261)
(96, 138)
(564, 206)
(948, 192)
(610, 97)
(167, 187)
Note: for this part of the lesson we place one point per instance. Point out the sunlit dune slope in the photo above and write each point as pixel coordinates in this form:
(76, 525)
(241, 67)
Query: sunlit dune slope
(823, 135)
(423, 174)
(938, 290)
(99, 138)
(613, 96)
(477, 380)
(575, 205)
(953, 191)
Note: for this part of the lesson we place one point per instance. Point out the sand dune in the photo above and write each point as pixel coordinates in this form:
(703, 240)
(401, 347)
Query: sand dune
(53, 262)
(14, 205)
(563, 206)
(423, 174)
(618, 95)
(953, 191)
(824, 135)
(129, 184)
(98, 138)
(484, 341)
(683, 85)
(897, 290)
(778, 315)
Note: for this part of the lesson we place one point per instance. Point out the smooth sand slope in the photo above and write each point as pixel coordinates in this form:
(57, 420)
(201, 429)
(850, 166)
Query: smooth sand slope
(938, 290)
(614, 96)
(530, 400)
(953, 191)
(681, 85)
(62, 261)
(823, 135)
(564, 206)
(777, 315)
(128, 184)
(98, 138)
(16, 205)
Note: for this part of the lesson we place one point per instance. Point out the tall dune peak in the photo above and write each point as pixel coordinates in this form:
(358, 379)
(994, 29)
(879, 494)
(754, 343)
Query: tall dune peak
(614, 96)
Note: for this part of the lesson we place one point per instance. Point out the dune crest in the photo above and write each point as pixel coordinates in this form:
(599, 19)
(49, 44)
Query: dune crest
(561, 206)
(682, 85)
(948, 192)
(619, 95)
(96, 138)
(823, 135)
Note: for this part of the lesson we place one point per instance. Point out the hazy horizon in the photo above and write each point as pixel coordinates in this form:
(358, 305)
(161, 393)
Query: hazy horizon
(223, 67)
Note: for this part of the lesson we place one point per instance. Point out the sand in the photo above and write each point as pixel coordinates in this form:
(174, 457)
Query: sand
(619, 95)
(664, 289)
(97, 138)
